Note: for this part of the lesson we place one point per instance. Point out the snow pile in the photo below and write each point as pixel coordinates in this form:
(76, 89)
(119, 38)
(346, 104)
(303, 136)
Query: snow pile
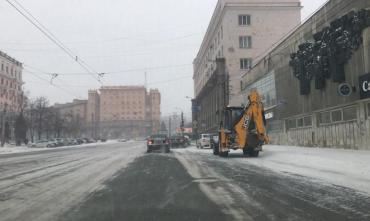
(348, 168)
(9, 149)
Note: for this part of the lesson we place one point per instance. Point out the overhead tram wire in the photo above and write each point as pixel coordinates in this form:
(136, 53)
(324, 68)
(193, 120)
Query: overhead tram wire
(126, 71)
(71, 54)
(54, 39)
(54, 85)
(53, 75)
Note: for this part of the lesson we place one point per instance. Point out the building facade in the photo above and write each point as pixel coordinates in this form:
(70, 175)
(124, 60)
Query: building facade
(73, 114)
(117, 111)
(209, 104)
(315, 82)
(240, 31)
(11, 93)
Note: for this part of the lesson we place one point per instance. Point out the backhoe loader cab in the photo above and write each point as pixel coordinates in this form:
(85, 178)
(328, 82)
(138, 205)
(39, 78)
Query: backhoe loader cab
(243, 128)
(231, 116)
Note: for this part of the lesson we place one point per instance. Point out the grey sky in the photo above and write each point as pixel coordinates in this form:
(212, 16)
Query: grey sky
(122, 36)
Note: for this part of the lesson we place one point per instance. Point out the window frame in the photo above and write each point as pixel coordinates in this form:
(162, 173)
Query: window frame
(245, 65)
(245, 42)
(244, 20)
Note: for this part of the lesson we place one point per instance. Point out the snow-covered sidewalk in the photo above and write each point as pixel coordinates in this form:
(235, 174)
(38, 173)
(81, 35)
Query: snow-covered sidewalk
(348, 168)
(9, 149)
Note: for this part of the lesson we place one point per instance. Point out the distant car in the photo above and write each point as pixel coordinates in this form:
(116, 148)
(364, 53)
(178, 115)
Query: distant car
(41, 144)
(204, 141)
(158, 142)
(88, 140)
(58, 142)
(122, 140)
(178, 141)
(74, 142)
(79, 141)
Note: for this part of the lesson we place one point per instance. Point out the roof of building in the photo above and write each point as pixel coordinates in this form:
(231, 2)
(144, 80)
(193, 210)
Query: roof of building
(123, 88)
(6, 56)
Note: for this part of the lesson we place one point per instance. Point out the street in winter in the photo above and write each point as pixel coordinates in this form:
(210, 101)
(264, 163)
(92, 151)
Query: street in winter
(120, 181)
(170, 110)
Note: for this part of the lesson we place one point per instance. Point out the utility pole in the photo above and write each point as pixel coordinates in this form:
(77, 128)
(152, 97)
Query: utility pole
(3, 125)
(169, 127)
(182, 124)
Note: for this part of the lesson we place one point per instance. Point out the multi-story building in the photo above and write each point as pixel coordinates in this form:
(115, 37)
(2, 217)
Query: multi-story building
(313, 97)
(153, 111)
(115, 111)
(76, 109)
(93, 113)
(240, 31)
(11, 92)
(73, 114)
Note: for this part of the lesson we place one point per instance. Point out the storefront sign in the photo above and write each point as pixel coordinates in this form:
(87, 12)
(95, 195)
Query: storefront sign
(269, 115)
(365, 86)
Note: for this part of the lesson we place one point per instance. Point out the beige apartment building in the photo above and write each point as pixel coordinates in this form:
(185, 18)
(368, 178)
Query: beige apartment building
(10, 83)
(76, 109)
(117, 111)
(241, 31)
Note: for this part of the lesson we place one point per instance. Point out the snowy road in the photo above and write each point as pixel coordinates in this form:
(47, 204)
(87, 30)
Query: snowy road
(42, 185)
(121, 182)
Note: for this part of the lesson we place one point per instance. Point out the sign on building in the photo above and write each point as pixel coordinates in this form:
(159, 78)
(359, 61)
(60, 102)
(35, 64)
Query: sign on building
(365, 86)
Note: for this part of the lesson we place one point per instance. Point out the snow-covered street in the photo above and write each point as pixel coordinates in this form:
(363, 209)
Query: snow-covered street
(347, 168)
(119, 181)
(42, 185)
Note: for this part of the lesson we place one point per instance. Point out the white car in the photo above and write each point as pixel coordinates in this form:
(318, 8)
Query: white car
(42, 144)
(122, 140)
(204, 141)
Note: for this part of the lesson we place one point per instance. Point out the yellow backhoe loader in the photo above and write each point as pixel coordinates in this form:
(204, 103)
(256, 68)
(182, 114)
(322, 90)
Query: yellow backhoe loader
(243, 128)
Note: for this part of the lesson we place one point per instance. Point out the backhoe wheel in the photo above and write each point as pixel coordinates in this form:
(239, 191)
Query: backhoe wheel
(224, 154)
(246, 151)
(254, 153)
(216, 151)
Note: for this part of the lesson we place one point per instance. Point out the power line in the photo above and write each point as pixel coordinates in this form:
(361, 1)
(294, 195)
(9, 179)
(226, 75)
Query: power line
(68, 85)
(54, 85)
(53, 38)
(120, 71)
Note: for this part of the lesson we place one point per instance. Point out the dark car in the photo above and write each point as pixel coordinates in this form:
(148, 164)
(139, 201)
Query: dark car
(158, 142)
(178, 141)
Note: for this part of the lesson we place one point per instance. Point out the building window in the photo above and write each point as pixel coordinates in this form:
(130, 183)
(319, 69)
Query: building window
(336, 116)
(350, 113)
(2, 67)
(244, 20)
(245, 42)
(324, 118)
(291, 124)
(300, 122)
(308, 121)
(245, 63)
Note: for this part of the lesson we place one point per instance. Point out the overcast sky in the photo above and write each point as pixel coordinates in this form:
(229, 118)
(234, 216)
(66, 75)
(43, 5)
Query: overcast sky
(125, 38)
